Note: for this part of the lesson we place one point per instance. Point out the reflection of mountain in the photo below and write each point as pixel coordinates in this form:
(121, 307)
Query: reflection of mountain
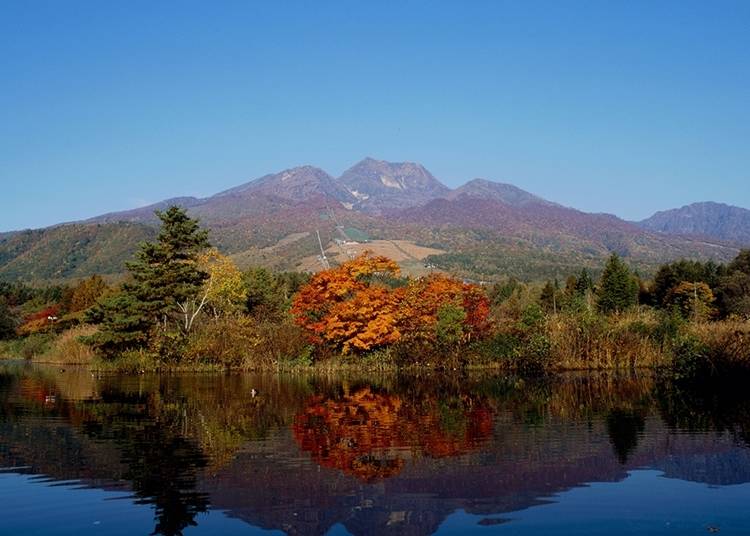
(287, 459)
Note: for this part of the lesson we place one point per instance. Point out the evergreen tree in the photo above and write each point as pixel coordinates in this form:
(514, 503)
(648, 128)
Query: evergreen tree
(122, 324)
(549, 297)
(584, 283)
(7, 320)
(165, 273)
(618, 289)
(734, 287)
(164, 289)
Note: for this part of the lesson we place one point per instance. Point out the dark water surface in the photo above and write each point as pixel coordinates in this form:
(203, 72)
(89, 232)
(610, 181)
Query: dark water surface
(443, 454)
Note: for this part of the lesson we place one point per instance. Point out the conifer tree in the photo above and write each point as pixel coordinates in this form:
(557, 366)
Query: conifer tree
(166, 280)
(618, 289)
(7, 320)
(584, 283)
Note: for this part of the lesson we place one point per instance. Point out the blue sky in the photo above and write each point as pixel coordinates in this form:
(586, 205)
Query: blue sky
(624, 107)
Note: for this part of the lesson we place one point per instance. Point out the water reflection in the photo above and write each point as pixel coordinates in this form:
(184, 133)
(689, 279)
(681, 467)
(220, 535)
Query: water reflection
(390, 454)
(369, 434)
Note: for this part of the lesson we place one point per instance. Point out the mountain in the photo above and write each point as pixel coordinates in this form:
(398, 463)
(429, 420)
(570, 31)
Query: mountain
(482, 230)
(493, 238)
(70, 251)
(379, 185)
(713, 220)
(506, 193)
(296, 184)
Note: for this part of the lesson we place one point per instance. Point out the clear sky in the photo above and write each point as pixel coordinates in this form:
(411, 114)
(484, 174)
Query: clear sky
(625, 107)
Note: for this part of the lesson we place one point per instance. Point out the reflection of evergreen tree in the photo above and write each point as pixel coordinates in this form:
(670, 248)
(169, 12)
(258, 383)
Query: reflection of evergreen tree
(624, 428)
(161, 464)
(162, 468)
(719, 405)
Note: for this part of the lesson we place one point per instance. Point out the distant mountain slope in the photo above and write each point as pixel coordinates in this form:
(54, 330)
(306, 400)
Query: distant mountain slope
(144, 214)
(507, 193)
(378, 185)
(715, 220)
(487, 236)
(69, 251)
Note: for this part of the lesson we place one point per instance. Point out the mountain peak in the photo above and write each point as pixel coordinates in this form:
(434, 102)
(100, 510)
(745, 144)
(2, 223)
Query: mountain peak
(707, 218)
(297, 184)
(380, 185)
(499, 191)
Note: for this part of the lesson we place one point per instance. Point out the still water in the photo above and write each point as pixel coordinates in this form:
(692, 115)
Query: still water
(429, 454)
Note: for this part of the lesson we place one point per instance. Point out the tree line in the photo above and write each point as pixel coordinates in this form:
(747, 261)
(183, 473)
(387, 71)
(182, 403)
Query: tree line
(184, 303)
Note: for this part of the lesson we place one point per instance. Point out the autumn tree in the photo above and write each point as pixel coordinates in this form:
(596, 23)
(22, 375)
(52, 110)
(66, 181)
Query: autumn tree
(422, 299)
(692, 299)
(85, 294)
(321, 307)
(223, 292)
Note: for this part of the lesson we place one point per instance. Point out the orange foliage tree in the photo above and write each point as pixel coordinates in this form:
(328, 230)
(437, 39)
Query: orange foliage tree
(343, 307)
(350, 309)
(422, 300)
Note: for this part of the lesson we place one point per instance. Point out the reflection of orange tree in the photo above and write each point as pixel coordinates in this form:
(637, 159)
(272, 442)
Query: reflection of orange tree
(367, 434)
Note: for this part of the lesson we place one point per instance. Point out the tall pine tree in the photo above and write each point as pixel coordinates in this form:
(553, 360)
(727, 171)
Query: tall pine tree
(163, 291)
(618, 289)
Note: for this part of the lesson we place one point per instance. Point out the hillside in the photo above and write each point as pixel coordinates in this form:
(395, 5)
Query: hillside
(498, 191)
(713, 220)
(70, 251)
(482, 229)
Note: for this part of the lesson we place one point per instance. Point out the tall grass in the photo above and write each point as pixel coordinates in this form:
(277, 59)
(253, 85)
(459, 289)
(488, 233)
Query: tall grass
(591, 341)
(67, 349)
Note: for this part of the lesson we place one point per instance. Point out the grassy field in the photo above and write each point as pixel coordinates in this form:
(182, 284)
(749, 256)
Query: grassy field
(409, 255)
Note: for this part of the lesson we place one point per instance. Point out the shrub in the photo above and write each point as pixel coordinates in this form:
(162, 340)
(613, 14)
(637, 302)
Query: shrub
(69, 349)
(229, 341)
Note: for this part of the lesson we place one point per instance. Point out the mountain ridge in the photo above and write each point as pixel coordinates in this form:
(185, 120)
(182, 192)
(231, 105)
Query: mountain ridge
(706, 218)
(484, 227)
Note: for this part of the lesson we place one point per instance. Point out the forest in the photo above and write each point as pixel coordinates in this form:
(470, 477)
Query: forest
(184, 305)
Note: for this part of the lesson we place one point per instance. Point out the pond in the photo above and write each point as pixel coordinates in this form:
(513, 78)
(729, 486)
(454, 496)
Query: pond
(432, 453)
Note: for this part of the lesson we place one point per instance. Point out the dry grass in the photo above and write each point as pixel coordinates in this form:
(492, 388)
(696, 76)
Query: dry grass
(66, 349)
(597, 342)
(727, 342)
(404, 252)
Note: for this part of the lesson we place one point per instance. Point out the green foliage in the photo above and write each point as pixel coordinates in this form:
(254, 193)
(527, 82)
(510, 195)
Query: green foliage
(165, 273)
(501, 292)
(8, 320)
(618, 289)
(449, 329)
(670, 275)
(532, 317)
(122, 325)
(584, 283)
(70, 251)
(550, 297)
(269, 293)
(165, 283)
(734, 287)
(690, 358)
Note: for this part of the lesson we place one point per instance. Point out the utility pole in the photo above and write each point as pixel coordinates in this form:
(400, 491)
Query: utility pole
(323, 258)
